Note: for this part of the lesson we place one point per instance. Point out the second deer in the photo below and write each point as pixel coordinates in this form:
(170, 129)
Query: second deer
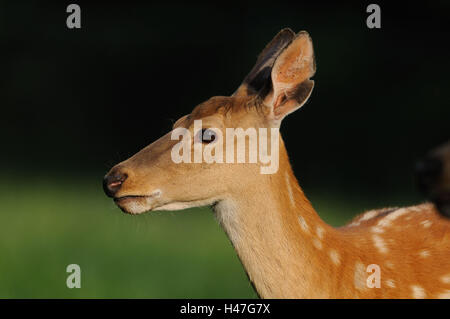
(285, 247)
(433, 175)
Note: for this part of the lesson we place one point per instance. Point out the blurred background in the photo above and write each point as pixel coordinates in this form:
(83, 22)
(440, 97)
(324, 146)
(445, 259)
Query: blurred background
(76, 102)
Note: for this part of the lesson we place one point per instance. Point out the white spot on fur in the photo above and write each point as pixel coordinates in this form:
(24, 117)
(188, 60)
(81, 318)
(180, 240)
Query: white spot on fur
(317, 243)
(354, 224)
(389, 265)
(303, 224)
(426, 223)
(335, 257)
(291, 194)
(418, 292)
(320, 231)
(424, 253)
(446, 279)
(380, 244)
(390, 283)
(366, 216)
(387, 221)
(445, 295)
(377, 230)
(423, 208)
(369, 215)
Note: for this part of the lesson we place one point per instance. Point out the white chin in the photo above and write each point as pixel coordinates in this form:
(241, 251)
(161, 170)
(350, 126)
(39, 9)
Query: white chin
(136, 206)
(185, 205)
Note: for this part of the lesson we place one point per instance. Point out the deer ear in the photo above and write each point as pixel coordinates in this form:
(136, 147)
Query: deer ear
(291, 73)
(260, 74)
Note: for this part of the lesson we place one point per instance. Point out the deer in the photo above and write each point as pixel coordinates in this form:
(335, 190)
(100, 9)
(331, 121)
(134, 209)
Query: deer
(433, 177)
(286, 249)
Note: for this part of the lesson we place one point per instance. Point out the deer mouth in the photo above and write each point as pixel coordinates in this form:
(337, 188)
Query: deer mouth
(137, 204)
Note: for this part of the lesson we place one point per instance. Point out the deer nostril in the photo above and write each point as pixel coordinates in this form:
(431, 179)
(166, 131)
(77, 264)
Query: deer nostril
(112, 183)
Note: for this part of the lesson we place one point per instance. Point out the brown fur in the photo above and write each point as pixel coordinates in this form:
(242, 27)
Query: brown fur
(286, 249)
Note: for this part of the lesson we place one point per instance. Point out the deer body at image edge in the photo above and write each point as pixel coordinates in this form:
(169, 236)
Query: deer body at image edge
(286, 249)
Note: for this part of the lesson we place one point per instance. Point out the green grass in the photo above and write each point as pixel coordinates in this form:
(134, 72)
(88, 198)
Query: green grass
(47, 224)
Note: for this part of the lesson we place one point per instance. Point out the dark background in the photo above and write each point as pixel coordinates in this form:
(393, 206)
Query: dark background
(78, 101)
(75, 102)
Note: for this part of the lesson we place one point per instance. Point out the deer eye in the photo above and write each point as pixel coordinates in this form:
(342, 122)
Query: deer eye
(206, 136)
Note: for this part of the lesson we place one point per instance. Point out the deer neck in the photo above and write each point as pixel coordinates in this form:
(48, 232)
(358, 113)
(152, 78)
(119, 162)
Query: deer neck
(278, 236)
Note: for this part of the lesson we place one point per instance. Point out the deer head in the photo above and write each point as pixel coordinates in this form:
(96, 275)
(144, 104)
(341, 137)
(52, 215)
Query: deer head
(277, 85)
